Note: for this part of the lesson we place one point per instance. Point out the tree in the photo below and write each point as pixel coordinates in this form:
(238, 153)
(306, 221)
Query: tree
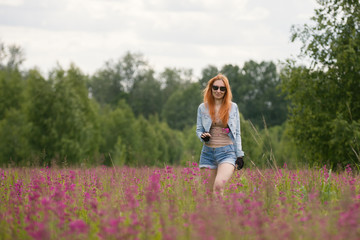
(12, 83)
(12, 87)
(106, 85)
(181, 108)
(207, 73)
(63, 119)
(146, 150)
(145, 96)
(74, 117)
(170, 143)
(192, 146)
(38, 109)
(255, 89)
(13, 55)
(117, 133)
(261, 97)
(14, 144)
(173, 79)
(115, 80)
(325, 99)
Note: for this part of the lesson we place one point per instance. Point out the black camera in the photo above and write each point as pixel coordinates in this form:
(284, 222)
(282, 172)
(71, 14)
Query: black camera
(206, 139)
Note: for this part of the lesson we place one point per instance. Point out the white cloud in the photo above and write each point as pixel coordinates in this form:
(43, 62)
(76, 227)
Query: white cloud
(98, 9)
(255, 14)
(189, 33)
(12, 3)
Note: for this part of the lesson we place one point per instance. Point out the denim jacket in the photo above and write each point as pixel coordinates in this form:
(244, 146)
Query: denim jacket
(204, 122)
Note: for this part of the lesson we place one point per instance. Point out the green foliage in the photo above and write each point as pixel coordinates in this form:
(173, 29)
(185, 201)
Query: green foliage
(173, 80)
(112, 117)
(11, 90)
(325, 98)
(116, 132)
(192, 146)
(147, 146)
(106, 85)
(137, 141)
(38, 109)
(269, 147)
(115, 80)
(63, 119)
(207, 73)
(145, 97)
(11, 57)
(256, 91)
(14, 144)
(181, 108)
(170, 143)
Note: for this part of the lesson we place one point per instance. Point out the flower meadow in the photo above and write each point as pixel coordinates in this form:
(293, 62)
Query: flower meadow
(172, 203)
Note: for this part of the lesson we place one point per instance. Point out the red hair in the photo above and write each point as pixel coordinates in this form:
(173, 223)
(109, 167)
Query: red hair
(210, 102)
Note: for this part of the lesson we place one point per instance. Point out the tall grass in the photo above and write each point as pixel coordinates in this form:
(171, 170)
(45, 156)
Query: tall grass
(171, 203)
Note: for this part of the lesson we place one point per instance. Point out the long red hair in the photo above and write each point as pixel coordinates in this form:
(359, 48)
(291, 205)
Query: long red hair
(209, 100)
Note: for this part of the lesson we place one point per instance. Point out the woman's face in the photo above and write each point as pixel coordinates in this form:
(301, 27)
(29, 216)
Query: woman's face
(220, 91)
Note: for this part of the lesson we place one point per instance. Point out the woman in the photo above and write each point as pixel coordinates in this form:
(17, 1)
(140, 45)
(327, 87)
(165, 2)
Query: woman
(218, 126)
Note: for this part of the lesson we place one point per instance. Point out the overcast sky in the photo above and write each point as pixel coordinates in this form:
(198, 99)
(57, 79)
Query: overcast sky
(169, 33)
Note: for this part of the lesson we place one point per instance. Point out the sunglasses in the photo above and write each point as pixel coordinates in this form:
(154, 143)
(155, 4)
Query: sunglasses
(222, 89)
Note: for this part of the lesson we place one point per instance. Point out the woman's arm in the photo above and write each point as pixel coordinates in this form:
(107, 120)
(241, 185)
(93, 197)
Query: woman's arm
(239, 152)
(199, 127)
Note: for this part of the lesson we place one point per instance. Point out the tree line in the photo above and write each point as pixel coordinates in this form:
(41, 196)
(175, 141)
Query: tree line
(128, 114)
(124, 113)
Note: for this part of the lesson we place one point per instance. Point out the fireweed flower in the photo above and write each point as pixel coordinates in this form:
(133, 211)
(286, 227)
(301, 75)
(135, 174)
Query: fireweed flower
(143, 203)
(226, 130)
(78, 226)
(348, 169)
(153, 188)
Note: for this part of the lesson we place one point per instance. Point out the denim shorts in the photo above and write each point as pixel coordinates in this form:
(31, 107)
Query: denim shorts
(212, 157)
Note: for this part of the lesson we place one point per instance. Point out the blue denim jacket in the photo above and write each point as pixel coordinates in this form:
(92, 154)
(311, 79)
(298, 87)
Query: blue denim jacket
(204, 122)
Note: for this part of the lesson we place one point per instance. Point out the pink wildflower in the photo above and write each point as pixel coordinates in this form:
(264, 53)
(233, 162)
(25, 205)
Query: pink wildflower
(78, 226)
(226, 130)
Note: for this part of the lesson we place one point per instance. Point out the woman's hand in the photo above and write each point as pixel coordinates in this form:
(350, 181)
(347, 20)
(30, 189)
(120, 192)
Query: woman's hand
(205, 136)
(239, 163)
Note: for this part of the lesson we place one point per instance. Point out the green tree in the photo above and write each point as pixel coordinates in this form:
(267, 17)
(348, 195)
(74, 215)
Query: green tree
(74, 116)
(117, 134)
(12, 87)
(64, 125)
(146, 150)
(11, 56)
(181, 108)
(192, 146)
(145, 96)
(256, 90)
(12, 83)
(38, 109)
(106, 85)
(173, 79)
(14, 144)
(206, 74)
(115, 80)
(170, 143)
(325, 99)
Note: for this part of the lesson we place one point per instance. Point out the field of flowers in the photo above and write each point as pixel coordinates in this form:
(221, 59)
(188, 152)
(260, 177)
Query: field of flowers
(171, 203)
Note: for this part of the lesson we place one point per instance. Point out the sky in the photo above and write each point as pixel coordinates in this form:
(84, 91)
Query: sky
(182, 34)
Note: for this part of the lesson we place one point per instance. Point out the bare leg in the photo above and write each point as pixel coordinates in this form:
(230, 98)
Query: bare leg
(224, 173)
(208, 177)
